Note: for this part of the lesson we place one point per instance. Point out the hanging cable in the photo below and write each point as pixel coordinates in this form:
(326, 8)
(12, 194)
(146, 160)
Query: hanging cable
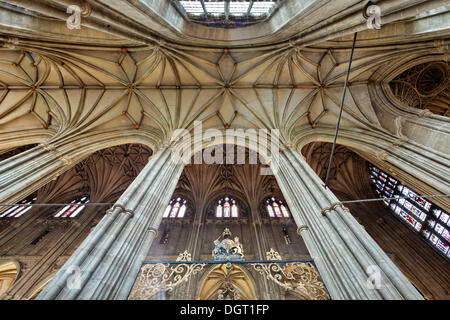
(340, 111)
(55, 204)
(110, 204)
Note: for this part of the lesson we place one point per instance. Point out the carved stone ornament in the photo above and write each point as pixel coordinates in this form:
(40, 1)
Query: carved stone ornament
(184, 256)
(273, 255)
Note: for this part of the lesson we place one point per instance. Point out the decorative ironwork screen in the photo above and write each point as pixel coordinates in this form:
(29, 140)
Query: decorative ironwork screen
(298, 278)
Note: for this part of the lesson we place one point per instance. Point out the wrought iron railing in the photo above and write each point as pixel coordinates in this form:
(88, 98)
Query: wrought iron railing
(228, 280)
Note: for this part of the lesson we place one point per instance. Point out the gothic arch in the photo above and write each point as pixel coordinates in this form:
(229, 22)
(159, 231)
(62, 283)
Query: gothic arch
(190, 204)
(9, 273)
(40, 287)
(391, 153)
(215, 279)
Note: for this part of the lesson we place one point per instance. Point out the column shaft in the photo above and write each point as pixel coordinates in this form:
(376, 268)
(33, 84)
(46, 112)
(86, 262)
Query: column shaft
(344, 253)
(111, 256)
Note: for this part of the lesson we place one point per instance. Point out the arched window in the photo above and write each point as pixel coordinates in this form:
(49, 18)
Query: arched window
(175, 209)
(72, 209)
(276, 208)
(418, 214)
(20, 209)
(227, 208)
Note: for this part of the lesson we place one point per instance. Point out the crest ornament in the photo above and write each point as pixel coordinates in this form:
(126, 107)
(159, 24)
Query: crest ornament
(228, 249)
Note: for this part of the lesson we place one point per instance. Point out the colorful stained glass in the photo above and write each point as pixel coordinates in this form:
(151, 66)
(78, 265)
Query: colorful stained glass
(226, 209)
(182, 211)
(166, 213)
(276, 208)
(446, 234)
(270, 211)
(431, 223)
(284, 211)
(444, 217)
(442, 246)
(20, 209)
(437, 213)
(73, 209)
(219, 211)
(234, 211)
(433, 238)
(426, 233)
(176, 208)
(413, 209)
(439, 228)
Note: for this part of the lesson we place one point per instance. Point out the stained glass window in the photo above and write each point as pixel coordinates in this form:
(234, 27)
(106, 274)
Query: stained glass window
(19, 209)
(73, 209)
(417, 213)
(226, 208)
(176, 208)
(276, 208)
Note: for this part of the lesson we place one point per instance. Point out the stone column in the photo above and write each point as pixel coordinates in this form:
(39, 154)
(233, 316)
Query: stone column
(26, 172)
(110, 257)
(344, 253)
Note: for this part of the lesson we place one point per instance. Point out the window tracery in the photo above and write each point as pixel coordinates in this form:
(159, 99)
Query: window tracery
(227, 208)
(20, 209)
(276, 208)
(73, 209)
(418, 214)
(176, 208)
(425, 86)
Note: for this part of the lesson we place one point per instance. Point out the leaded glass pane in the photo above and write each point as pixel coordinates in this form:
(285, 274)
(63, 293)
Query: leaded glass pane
(413, 210)
(226, 209)
(270, 211)
(182, 211)
(234, 211)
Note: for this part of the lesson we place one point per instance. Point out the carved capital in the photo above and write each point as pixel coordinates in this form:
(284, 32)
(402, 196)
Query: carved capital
(66, 160)
(400, 141)
(47, 146)
(286, 145)
(425, 113)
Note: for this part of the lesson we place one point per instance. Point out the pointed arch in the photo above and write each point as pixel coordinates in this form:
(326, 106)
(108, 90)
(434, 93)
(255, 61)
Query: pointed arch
(216, 279)
(9, 272)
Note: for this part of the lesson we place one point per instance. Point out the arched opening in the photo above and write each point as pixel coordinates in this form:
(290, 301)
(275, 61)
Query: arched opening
(227, 284)
(51, 234)
(351, 179)
(9, 271)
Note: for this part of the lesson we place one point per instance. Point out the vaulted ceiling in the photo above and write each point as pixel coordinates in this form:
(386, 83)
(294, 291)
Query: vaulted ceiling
(116, 73)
